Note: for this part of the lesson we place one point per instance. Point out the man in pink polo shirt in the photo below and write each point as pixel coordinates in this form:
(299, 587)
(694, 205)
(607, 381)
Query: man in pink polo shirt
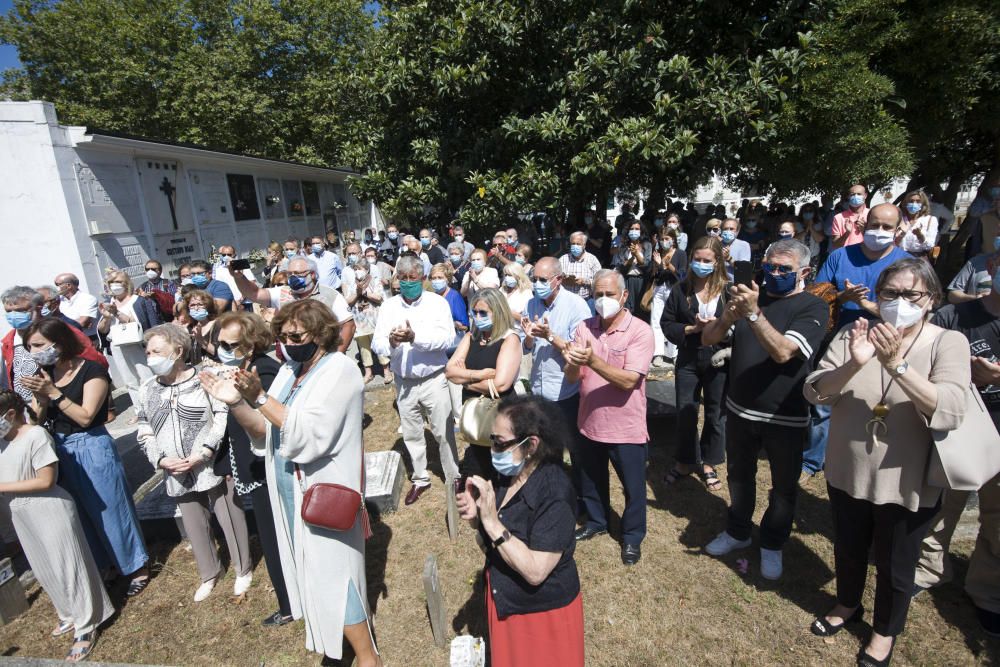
(849, 224)
(610, 354)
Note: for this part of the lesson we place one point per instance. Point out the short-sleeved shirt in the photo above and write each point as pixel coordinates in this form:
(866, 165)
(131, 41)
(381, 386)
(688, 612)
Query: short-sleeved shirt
(24, 456)
(852, 264)
(760, 388)
(973, 278)
(80, 305)
(331, 298)
(739, 251)
(220, 290)
(845, 221)
(459, 311)
(59, 422)
(983, 331)
(609, 414)
(329, 268)
(583, 269)
(542, 515)
(564, 315)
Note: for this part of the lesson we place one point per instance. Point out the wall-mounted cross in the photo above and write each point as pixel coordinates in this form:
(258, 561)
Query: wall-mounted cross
(168, 189)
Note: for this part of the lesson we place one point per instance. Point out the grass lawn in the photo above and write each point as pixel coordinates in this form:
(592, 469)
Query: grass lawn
(678, 606)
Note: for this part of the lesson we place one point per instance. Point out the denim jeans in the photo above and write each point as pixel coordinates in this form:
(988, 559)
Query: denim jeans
(814, 457)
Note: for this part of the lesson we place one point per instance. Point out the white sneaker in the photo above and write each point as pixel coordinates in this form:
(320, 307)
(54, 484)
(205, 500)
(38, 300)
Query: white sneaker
(204, 590)
(770, 564)
(724, 543)
(659, 362)
(242, 584)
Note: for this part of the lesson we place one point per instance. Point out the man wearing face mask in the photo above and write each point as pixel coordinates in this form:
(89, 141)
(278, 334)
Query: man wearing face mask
(458, 235)
(302, 284)
(733, 249)
(201, 278)
(329, 267)
(352, 253)
(51, 304)
(390, 247)
(227, 254)
(610, 356)
(78, 305)
(849, 224)
(578, 267)
(415, 330)
(435, 254)
(775, 337)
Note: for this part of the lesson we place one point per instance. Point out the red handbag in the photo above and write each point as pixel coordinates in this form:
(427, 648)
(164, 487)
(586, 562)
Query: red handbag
(334, 506)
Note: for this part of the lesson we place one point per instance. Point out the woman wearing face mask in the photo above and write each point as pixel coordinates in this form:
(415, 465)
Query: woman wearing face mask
(918, 230)
(490, 351)
(244, 342)
(364, 296)
(279, 280)
(180, 429)
(523, 258)
(71, 397)
(273, 263)
(48, 527)
(815, 239)
(670, 266)
(634, 260)
(458, 263)
(124, 307)
(673, 221)
(691, 305)
(525, 523)
(479, 276)
(198, 312)
(516, 287)
(889, 384)
(308, 428)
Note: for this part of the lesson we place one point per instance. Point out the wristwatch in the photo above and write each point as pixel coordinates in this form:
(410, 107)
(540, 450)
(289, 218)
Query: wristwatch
(259, 402)
(753, 317)
(900, 369)
(551, 337)
(504, 536)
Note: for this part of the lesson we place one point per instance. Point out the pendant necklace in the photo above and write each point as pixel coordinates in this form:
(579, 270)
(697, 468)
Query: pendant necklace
(876, 425)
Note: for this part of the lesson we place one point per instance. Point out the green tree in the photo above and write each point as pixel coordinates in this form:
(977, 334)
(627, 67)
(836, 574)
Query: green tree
(259, 77)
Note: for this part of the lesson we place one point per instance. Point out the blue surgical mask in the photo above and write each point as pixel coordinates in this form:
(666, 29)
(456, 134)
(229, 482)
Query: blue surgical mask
(728, 236)
(913, 207)
(510, 282)
(439, 285)
(702, 269)
(782, 284)
(542, 290)
(224, 260)
(477, 265)
(751, 224)
(290, 253)
(393, 236)
(411, 289)
(856, 200)
(352, 259)
(46, 311)
(317, 248)
(298, 284)
(658, 222)
(483, 323)
(425, 242)
(198, 314)
(228, 357)
(634, 234)
(19, 320)
(199, 280)
(520, 260)
(576, 249)
(455, 259)
(503, 462)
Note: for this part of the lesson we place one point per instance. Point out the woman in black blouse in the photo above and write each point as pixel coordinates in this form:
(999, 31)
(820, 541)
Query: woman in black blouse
(71, 396)
(526, 522)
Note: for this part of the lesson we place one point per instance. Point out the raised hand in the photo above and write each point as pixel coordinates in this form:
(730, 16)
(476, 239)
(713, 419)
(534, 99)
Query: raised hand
(221, 389)
(860, 347)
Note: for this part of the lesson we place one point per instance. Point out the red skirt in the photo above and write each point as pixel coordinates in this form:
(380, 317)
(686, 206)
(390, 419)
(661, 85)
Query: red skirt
(544, 638)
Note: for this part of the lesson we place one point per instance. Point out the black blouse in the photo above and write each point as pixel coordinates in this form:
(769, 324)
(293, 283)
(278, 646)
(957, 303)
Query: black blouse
(58, 421)
(542, 515)
(678, 312)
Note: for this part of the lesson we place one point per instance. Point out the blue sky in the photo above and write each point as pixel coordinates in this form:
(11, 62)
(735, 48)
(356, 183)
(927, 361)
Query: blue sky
(8, 54)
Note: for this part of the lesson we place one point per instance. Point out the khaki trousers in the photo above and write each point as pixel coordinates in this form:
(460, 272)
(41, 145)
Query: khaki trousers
(431, 396)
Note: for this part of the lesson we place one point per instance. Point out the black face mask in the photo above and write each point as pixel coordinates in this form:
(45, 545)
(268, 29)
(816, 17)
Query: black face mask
(301, 353)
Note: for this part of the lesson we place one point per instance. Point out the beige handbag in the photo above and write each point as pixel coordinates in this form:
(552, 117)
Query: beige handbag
(125, 334)
(476, 420)
(969, 456)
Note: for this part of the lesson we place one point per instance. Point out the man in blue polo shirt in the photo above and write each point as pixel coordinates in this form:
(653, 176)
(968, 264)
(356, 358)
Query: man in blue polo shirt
(201, 278)
(854, 269)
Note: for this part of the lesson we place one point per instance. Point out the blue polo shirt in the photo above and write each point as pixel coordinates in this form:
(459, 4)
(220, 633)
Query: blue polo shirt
(220, 290)
(850, 263)
(564, 314)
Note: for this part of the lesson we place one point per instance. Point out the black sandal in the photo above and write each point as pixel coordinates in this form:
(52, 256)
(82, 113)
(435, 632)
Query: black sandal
(711, 480)
(865, 660)
(824, 628)
(137, 586)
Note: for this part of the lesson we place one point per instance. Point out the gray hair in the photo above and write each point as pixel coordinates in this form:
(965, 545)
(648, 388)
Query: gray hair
(51, 289)
(455, 245)
(920, 270)
(406, 265)
(605, 273)
(362, 263)
(18, 293)
(175, 336)
(307, 261)
(583, 234)
(789, 247)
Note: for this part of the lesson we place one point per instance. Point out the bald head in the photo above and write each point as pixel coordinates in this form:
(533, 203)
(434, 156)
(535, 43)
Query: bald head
(548, 266)
(67, 284)
(885, 214)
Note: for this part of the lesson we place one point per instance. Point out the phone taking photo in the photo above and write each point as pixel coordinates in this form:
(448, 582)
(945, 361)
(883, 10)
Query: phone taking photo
(239, 265)
(742, 272)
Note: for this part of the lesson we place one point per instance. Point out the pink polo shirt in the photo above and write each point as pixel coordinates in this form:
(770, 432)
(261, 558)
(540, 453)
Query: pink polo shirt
(845, 221)
(608, 414)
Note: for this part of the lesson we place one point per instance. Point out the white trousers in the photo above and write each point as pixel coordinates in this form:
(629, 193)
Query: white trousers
(430, 396)
(661, 346)
(130, 360)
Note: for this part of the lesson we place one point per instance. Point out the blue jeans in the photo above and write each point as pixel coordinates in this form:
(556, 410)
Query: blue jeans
(814, 457)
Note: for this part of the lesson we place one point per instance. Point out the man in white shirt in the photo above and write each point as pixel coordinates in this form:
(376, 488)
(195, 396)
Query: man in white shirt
(578, 266)
(733, 249)
(77, 305)
(353, 253)
(329, 268)
(415, 331)
(302, 284)
(227, 253)
(378, 269)
(412, 244)
(458, 234)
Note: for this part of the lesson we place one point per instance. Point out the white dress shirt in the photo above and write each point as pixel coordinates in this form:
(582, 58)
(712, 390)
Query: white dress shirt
(433, 334)
(80, 305)
(328, 268)
(223, 274)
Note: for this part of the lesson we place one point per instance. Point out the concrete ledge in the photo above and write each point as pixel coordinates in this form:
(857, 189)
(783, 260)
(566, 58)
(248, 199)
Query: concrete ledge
(40, 662)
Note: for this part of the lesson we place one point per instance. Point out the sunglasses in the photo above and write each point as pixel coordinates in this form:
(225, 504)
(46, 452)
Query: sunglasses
(499, 445)
(780, 269)
(294, 337)
(229, 347)
(481, 313)
(541, 281)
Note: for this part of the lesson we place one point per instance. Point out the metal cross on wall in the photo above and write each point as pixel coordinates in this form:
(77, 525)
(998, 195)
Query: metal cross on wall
(168, 189)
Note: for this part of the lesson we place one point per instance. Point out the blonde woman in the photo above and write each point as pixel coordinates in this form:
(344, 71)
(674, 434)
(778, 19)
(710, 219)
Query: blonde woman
(479, 276)
(275, 253)
(364, 296)
(517, 288)
(123, 306)
(919, 229)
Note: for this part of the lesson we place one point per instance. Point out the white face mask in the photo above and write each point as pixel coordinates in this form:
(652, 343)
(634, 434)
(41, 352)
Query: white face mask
(607, 307)
(360, 274)
(116, 288)
(160, 365)
(152, 275)
(877, 239)
(900, 313)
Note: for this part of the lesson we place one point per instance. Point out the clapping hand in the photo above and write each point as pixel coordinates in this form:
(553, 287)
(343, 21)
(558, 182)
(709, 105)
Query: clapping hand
(701, 321)
(401, 335)
(855, 293)
(486, 503)
(887, 340)
(219, 388)
(985, 372)
(40, 385)
(859, 345)
(578, 355)
(248, 384)
(466, 502)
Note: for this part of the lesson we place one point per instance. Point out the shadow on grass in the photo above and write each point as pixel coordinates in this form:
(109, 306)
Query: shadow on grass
(958, 611)
(471, 618)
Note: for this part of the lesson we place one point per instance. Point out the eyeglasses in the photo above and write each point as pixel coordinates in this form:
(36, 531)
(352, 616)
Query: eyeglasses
(226, 254)
(294, 337)
(229, 347)
(499, 445)
(481, 313)
(197, 273)
(778, 269)
(889, 294)
(541, 281)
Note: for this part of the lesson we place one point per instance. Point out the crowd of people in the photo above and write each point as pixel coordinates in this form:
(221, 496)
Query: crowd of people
(815, 335)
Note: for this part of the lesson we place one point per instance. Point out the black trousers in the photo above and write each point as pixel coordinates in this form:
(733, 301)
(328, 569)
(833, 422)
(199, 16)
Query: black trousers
(891, 535)
(692, 372)
(783, 444)
(570, 409)
(269, 545)
(629, 461)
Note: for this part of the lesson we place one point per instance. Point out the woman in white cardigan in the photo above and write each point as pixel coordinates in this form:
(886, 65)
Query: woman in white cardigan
(308, 428)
